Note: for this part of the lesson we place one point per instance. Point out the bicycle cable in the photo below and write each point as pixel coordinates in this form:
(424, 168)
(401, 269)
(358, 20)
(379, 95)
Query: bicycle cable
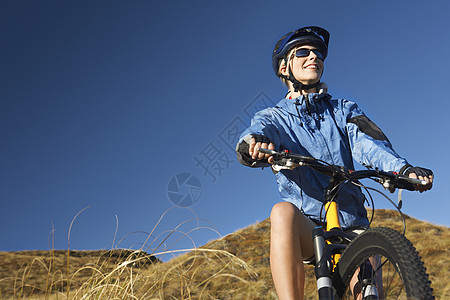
(389, 199)
(339, 187)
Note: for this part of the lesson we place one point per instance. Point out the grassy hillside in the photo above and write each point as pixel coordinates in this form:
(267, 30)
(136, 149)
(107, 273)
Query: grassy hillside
(28, 274)
(233, 267)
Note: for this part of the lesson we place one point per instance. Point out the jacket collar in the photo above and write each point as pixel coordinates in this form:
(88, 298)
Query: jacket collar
(305, 103)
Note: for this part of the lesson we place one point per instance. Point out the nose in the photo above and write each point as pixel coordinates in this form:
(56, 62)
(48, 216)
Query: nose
(312, 55)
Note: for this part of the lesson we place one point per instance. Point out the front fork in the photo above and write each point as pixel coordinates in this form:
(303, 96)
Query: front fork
(325, 260)
(322, 268)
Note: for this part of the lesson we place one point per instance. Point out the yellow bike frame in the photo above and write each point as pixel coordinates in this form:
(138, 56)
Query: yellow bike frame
(332, 218)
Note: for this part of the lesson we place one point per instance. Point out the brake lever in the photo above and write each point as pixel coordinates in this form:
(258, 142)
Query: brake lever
(280, 161)
(285, 163)
(402, 182)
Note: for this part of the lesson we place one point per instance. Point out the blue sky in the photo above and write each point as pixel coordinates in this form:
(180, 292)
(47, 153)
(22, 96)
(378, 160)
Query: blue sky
(103, 103)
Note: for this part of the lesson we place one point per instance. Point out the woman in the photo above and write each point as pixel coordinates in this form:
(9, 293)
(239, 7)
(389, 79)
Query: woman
(309, 122)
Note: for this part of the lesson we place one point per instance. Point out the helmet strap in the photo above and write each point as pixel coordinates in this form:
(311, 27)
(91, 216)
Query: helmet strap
(298, 85)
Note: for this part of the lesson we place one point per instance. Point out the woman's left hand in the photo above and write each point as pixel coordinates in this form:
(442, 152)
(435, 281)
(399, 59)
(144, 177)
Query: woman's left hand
(421, 174)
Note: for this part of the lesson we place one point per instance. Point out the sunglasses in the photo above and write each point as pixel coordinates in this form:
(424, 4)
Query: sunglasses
(303, 52)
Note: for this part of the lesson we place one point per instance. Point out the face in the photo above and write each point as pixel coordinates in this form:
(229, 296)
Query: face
(308, 69)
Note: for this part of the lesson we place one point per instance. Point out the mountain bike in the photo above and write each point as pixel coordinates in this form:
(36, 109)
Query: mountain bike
(379, 263)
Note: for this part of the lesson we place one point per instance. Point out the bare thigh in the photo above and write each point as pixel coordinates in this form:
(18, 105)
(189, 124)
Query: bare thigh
(286, 217)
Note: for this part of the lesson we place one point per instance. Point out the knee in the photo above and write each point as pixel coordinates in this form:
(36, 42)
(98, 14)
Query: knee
(283, 212)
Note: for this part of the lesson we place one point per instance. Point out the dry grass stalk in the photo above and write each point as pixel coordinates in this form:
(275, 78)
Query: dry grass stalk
(233, 267)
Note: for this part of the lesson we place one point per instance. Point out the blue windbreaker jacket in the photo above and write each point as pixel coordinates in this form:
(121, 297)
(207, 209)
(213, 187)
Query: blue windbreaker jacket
(335, 131)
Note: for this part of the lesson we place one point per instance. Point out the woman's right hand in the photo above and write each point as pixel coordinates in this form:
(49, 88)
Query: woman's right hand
(254, 152)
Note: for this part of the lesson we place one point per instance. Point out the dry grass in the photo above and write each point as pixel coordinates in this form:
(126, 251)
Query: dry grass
(28, 274)
(431, 241)
(233, 267)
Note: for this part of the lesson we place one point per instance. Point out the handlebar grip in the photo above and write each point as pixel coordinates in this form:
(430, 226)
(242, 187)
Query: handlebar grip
(416, 181)
(409, 183)
(267, 151)
(288, 155)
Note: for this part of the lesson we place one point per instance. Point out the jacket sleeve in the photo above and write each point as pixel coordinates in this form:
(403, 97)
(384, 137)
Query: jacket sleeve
(264, 123)
(370, 146)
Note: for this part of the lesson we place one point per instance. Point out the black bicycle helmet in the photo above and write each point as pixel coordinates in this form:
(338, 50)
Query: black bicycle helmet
(311, 35)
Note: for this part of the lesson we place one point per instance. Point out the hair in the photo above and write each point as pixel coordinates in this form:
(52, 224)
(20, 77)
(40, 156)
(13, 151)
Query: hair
(283, 62)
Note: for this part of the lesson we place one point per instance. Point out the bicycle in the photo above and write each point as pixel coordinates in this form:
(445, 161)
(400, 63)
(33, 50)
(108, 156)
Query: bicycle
(379, 263)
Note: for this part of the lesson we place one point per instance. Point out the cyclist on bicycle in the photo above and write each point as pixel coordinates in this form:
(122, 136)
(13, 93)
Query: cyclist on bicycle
(309, 122)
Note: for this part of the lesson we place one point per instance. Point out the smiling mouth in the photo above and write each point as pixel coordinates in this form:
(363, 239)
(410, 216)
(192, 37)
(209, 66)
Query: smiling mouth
(312, 67)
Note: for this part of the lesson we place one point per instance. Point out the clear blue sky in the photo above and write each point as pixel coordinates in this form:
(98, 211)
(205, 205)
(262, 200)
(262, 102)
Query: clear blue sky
(102, 103)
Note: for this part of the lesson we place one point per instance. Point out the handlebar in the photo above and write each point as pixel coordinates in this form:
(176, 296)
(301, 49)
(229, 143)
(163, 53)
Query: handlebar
(389, 180)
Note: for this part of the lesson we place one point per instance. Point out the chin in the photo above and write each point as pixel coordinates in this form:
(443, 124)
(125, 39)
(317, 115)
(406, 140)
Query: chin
(311, 81)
